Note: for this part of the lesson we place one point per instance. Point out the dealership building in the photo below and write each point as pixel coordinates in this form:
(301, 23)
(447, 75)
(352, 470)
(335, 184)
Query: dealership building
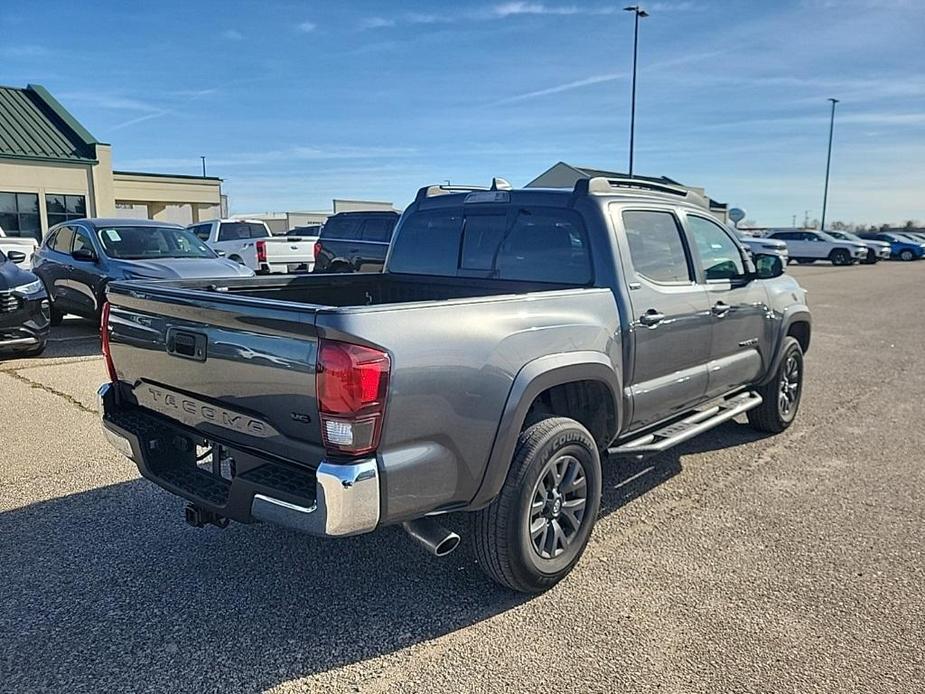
(52, 170)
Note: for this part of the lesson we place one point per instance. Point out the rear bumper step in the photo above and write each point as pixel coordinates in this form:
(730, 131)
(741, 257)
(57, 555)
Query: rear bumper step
(687, 428)
(333, 500)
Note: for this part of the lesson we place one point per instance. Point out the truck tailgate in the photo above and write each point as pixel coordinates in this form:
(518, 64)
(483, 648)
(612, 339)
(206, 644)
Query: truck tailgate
(292, 250)
(237, 368)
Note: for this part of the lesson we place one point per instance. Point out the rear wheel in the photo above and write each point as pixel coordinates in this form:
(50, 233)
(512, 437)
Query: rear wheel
(871, 258)
(840, 257)
(781, 396)
(534, 533)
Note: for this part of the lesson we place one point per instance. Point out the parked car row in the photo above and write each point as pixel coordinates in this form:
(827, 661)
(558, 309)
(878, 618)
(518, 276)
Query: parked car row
(843, 247)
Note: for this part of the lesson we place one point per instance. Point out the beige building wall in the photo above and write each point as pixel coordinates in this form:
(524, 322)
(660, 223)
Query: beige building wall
(47, 178)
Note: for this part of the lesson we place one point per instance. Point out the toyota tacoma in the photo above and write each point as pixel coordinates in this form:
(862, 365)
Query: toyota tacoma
(515, 340)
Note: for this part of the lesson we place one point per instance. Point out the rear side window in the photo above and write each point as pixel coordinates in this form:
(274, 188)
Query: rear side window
(236, 231)
(529, 244)
(341, 228)
(656, 246)
(202, 231)
(378, 230)
(63, 239)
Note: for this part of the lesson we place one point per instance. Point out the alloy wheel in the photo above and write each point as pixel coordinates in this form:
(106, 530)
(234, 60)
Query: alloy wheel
(557, 506)
(789, 387)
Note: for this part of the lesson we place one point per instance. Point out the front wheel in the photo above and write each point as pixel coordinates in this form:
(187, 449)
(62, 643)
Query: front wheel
(534, 533)
(907, 255)
(781, 396)
(840, 257)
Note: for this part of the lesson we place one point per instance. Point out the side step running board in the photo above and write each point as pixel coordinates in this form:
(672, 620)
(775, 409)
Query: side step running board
(687, 428)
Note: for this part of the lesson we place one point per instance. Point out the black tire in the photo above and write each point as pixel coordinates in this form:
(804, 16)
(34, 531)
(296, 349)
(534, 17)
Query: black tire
(771, 415)
(534, 496)
(871, 258)
(55, 316)
(840, 257)
(906, 255)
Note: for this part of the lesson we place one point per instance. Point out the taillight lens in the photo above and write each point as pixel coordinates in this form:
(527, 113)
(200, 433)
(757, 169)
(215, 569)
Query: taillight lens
(352, 382)
(104, 341)
(261, 251)
(318, 249)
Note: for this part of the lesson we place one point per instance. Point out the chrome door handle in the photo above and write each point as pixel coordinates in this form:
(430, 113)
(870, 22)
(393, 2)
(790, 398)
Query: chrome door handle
(720, 309)
(651, 318)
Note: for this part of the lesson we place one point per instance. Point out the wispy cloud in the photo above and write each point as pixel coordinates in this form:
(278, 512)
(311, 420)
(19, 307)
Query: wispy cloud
(232, 35)
(306, 27)
(559, 88)
(27, 51)
(518, 8)
(139, 119)
(376, 23)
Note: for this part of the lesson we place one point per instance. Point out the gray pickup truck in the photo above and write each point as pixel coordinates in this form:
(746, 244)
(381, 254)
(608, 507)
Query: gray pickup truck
(515, 339)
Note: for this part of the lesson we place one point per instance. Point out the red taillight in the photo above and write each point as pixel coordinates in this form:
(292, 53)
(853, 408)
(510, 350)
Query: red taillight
(318, 249)
(261, 251)
(104, 341)
(352, 383)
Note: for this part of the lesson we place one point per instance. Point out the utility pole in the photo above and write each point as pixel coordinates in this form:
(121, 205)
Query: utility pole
(828, 164)
(794, 225)
(638, 13)
(203, 166)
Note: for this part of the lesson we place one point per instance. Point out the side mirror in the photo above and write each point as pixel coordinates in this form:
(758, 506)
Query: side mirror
(768, 266)
(84, 254)
(16, 256)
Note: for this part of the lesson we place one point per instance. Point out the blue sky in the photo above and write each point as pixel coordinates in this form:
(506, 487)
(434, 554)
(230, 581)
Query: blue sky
(295, 103)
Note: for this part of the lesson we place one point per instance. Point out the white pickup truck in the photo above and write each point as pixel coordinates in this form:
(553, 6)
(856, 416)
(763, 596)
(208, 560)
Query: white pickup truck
(26, 245)
(249, 242)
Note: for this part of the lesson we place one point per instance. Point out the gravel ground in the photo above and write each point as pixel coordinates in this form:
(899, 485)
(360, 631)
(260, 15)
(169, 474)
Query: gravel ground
(735, 563)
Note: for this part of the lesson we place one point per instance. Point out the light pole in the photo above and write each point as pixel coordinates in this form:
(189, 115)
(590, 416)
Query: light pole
(638, 12)
(828, 164)
(203, 166)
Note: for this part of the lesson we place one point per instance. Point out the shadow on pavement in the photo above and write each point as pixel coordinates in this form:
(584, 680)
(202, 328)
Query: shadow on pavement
(109, 589)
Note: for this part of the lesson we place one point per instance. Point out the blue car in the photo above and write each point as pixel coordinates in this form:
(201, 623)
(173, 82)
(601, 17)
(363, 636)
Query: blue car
(900, 247)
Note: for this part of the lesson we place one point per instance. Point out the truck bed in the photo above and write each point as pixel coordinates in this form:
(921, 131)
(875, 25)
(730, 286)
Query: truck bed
(214, 355)
(364, 289)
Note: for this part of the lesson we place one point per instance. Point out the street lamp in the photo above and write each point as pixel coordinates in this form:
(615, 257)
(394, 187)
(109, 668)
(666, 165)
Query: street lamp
(638, 12)
(828, 164)
(203, 166)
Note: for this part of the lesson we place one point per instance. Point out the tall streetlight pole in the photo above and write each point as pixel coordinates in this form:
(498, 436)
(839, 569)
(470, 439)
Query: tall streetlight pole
(203, 166)
(828, 164)
(638, 12)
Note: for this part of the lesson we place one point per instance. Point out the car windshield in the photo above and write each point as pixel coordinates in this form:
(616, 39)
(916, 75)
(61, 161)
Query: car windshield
(845, 235)
(144, 243)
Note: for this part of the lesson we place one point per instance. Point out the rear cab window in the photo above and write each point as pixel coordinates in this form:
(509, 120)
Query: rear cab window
(528, 243)
(238, 231)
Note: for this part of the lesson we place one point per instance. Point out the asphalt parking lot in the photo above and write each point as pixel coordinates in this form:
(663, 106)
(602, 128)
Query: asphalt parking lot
(735, 563)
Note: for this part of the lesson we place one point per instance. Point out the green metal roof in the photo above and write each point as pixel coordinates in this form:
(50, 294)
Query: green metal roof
(33, 125)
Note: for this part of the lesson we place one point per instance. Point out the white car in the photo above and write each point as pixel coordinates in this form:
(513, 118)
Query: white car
(761, 244)
(26, 245)
(810, 246)
(879, 250)
(249, 242)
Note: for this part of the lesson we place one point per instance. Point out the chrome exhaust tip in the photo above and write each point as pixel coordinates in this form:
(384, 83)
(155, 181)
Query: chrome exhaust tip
(432, 536)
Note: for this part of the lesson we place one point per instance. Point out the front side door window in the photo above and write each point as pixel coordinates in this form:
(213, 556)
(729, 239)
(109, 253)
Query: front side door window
(720, 258)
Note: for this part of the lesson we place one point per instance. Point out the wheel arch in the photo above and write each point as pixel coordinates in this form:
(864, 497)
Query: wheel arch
(571, 376)
(797, 323)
